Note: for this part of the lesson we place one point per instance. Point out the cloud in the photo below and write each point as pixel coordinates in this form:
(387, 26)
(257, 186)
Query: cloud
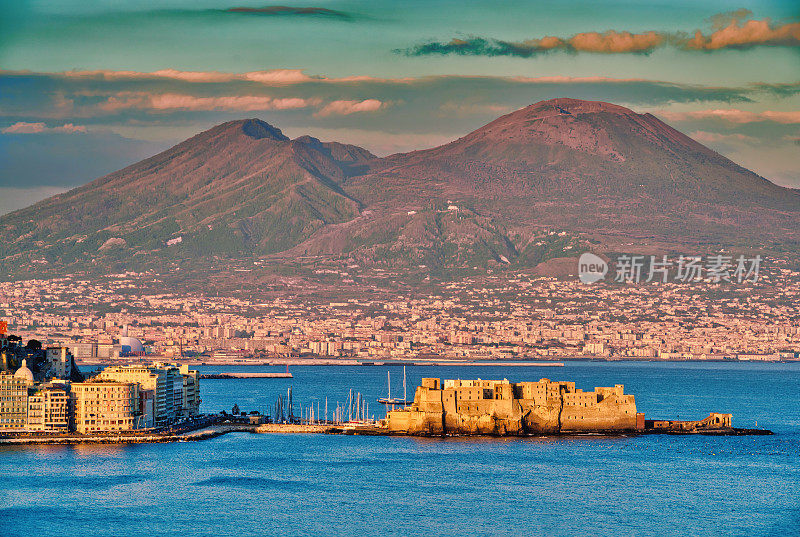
(779, 89)
(172, 104)
(729, 31)
(344, 108)
(721, 20)
(705, 137)
(383, 114)
(22, 127)
(279, 76)
(745, 35)
(173, 101)
(733, 115)
(290, 11)
(274, 77)
(610, 42)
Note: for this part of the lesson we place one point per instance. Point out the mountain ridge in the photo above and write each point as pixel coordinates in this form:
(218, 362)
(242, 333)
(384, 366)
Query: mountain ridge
(243, 188)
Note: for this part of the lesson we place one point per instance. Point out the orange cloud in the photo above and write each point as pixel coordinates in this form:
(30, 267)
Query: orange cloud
(745, 35)
(612, 42)
(174, 101)
(240, 103)
(706, 137)
(22, 127)
(279, 76)
(729, 30)
(274, 77)
(343, 108)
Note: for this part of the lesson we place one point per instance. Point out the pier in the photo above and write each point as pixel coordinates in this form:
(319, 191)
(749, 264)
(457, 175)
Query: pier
(239, 375)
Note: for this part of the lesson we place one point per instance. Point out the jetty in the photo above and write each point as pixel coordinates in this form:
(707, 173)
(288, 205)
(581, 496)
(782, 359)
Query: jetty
(246, 375)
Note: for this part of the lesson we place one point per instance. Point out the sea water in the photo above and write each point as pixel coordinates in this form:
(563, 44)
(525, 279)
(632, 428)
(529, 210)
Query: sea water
(269, 484)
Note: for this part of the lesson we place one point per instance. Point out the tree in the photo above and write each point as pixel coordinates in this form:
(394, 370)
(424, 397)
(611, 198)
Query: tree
(235, 410)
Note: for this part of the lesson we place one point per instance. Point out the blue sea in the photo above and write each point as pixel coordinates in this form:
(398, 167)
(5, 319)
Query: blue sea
(244, 484)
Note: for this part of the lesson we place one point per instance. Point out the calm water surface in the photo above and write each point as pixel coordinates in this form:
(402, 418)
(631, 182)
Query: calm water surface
(242, 484)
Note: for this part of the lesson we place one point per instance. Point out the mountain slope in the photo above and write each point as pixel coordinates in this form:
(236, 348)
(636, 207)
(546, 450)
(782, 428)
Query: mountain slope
(519, 190)
(241, 186)
(591, 167)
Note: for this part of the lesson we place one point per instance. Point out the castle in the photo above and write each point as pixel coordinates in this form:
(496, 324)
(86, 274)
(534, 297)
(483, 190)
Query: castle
(500, 407)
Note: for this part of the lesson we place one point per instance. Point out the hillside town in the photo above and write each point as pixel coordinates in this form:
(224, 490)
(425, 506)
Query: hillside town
(501, 316)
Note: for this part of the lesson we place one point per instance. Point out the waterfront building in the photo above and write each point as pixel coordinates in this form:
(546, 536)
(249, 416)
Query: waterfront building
(152, 378)
(49, 408)
(147, 409)
(505, 408)
(176, 391)
(104, 406)
(14, 398)
(190, 400)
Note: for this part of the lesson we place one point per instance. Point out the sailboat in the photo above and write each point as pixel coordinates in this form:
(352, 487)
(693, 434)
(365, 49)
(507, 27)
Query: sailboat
(392, 400)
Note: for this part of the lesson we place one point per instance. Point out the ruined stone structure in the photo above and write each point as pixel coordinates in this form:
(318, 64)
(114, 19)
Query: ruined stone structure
(714, 422)
(500, 407)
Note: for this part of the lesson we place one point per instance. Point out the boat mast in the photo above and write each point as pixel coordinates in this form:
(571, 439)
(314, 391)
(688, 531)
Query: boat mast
(405, 398)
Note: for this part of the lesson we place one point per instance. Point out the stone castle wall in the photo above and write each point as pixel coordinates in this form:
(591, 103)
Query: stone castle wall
(493, 407)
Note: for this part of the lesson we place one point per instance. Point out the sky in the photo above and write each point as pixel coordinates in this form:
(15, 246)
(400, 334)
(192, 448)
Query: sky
(88, 87)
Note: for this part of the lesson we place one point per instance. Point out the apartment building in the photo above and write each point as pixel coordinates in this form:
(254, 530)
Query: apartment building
(104, 406)
(176, 391)
(49, 408)
(13, 400)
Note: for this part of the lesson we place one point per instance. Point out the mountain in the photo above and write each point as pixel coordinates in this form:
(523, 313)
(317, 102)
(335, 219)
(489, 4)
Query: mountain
(237, 188)
(532, 185)
(591, 167)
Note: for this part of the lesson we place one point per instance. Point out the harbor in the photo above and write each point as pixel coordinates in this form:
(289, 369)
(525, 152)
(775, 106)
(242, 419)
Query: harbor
(439, 408)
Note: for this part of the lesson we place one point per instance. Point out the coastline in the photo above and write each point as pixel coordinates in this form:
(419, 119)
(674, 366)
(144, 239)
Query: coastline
(204, 433)
(272, 362)
(207, 433)
(331, 361)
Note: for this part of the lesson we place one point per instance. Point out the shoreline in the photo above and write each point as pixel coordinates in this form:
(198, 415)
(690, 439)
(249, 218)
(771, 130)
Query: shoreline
(333, 362)
(215, 431)
(204, 433)
(560, 362)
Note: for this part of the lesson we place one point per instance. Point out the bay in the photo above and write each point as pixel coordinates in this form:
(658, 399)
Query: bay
(244, 484)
